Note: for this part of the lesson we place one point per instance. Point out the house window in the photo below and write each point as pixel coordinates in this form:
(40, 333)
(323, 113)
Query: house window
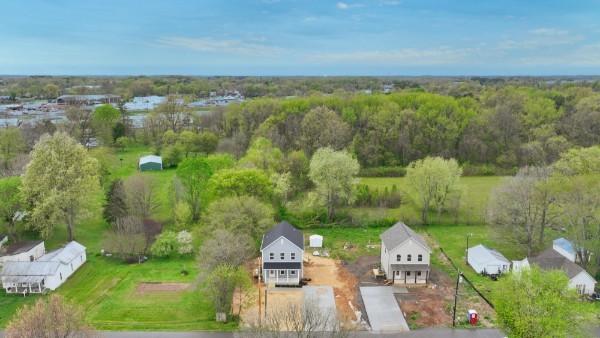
(420, 258)
(293, 272)
(60, 274)
(71, 266)
(271, 256)
(293, 255)
(271, 272)
(398, 257)
(282, 272)
(408, 272)
(31, 258)
(419, 273)
(409, 258)
(397, 273)
(282, 256)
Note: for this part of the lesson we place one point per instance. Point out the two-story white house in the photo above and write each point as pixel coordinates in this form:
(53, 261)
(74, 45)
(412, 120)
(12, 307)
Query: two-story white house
(282, 251)
(404, 255)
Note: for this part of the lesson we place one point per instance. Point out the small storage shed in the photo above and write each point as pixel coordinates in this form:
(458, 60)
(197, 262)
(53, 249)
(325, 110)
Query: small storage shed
(316, 241)
(487, 261)
(150, 162)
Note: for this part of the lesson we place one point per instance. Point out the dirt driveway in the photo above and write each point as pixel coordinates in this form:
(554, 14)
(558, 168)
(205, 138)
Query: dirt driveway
(327, 271)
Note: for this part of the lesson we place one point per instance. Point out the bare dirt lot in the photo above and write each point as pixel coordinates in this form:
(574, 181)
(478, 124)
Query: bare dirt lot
(145, 288)
(327, 271)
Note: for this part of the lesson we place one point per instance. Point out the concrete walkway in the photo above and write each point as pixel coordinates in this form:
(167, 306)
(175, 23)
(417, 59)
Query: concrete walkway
(383, 311)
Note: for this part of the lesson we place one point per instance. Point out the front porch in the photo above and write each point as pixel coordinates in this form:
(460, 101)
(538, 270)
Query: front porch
(408, 274)
(282, 276)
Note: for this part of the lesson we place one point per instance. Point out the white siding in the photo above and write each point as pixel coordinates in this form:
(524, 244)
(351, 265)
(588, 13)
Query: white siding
(37, 252)
(282, 246)
(409, 247)
(583, 282)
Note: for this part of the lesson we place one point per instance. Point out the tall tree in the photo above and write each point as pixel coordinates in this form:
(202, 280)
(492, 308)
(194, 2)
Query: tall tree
(520, 207)
(141, 195)
(334, 175)
(535, 303)
(220, 286)
(240, 182)
(104, 120)
(226, 247)
(194, 173)
(11, 144)
(322, 127)
(263, 155)
(434, 179)
(58, 182)
(243, 214)
(49, 317)
(11, 208)
(116, 202)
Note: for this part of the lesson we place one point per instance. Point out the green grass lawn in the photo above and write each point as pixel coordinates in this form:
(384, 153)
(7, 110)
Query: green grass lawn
(475, 194)
(106, 288)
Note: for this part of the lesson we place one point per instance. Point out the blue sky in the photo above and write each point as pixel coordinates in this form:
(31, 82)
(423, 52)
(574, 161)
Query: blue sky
(300, 37)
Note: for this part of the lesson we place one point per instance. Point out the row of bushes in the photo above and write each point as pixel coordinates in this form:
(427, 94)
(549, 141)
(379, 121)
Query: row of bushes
(468, 170)
(378, 198)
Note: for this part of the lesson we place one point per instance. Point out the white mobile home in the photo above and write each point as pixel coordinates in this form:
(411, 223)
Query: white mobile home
(487, 261)
(47, 273)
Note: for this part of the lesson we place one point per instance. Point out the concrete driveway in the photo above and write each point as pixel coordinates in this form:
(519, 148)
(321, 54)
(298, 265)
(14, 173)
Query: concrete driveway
(383, 311)
(324, 299)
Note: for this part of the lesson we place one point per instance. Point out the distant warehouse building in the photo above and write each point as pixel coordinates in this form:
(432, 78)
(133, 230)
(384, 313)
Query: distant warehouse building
(87, 100)
(150, 162)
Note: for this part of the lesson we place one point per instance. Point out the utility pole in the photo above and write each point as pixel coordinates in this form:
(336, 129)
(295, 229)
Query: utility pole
(455, 298)
(467, 254)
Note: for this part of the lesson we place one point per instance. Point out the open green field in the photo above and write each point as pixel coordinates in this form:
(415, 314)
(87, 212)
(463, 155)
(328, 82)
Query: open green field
(471, 210)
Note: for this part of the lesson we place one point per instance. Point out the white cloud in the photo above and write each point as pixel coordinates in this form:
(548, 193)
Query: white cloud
(345, 5)
(404, 56)
(342, 5)
(228, 46)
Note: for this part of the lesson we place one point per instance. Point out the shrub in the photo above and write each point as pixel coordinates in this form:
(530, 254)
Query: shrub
(165, 245)
(184, 243)
(376, 198)
(182, 214)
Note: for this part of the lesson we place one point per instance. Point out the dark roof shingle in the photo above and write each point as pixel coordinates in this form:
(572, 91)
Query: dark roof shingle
(399, 233)
(286, 230)
(550, 259)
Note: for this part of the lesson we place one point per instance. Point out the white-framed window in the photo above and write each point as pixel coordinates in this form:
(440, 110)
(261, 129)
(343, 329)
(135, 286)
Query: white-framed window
(397, 273)
(293, 256)
(293, 272)
(409, 258)
(398, 258)
(271, 272)
(420, 258)
(271, 256)
(282, 256)
(282, 272)
(419, 273)
(408, 273)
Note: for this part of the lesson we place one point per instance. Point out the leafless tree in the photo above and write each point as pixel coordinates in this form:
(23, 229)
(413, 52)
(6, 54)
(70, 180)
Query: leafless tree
(225, 247)
(49, 318)
(300, 321)
(127, 239)
(519, 208)
(141, 195)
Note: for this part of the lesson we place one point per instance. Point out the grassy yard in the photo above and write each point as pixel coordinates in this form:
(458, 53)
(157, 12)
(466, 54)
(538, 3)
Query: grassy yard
(107, 288)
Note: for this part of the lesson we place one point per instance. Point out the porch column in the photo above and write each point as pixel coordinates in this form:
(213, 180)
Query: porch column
(415, 276)
(404, 277)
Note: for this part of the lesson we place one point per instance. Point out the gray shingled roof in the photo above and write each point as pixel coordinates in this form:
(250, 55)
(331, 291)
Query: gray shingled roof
(549, 259)
(20, 247)
(286, 230)
(398, 234)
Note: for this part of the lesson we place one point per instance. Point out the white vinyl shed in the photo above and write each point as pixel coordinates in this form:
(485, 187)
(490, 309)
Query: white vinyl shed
(488, 261)
(316, 241)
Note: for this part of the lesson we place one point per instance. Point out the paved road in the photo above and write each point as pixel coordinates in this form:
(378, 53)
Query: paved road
(424, 333)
